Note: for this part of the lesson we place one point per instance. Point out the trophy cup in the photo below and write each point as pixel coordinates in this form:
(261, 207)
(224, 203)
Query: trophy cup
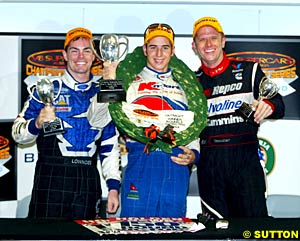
(111, 90)
(267, 90)
(45, 91)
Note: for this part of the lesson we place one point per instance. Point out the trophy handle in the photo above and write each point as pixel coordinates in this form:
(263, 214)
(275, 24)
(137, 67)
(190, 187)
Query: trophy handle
(31, 88)
(115, 43)
(93, 49)
(125, 42)
(59, 81)
(120, 40)
(267, 89)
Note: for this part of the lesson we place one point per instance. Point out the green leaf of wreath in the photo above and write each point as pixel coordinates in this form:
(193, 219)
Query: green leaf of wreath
(127, 70)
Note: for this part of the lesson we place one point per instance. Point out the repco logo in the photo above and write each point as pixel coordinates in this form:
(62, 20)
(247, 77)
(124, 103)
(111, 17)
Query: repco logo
(223, 89)
(268, 154)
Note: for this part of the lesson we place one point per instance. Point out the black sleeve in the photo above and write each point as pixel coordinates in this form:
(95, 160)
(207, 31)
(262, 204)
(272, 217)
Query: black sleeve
(275, 101)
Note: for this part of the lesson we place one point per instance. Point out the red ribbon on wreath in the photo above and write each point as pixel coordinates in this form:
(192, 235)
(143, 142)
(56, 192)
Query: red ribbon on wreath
(153, 132)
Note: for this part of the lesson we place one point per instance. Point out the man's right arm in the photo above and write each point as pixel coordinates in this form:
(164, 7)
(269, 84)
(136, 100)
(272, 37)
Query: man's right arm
(24, 131)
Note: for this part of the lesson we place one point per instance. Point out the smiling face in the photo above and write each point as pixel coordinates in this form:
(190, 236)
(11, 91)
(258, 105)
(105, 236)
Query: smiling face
(79, 57)
(208, 44)
(159, 52)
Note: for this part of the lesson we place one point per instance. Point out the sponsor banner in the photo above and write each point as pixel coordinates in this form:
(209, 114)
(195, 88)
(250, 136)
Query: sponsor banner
(8, 188)
(280, 60)
(140, 225)
(279, 151)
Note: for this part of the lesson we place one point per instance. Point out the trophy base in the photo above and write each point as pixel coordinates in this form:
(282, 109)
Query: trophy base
(111, 91)
(54, 127)
(247, 111)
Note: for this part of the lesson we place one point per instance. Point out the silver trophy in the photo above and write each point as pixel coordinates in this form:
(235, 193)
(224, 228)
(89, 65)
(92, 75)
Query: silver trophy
(45, 91)
(111, 48)
(267, 90)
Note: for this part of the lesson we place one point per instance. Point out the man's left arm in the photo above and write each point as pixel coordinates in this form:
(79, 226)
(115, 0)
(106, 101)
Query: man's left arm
(111, 165)
(272, 108)
(190, 155)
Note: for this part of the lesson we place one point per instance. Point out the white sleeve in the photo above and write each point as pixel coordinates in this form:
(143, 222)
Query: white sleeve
(20, 132)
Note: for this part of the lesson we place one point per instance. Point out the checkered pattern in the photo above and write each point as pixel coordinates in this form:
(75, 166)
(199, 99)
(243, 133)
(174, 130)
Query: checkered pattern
(65, 191)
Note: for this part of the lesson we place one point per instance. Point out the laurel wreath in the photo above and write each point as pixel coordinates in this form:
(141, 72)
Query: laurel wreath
(127, 70)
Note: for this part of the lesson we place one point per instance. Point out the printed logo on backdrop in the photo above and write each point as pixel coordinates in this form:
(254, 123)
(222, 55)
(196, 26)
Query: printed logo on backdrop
(267, 154)
(43, 56)
(4, 155)
(8, 188)
(279, 59)
(278, 67)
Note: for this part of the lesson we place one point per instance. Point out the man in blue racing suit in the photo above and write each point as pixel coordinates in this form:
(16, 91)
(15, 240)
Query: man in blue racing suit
(155, 182)
(67, 181)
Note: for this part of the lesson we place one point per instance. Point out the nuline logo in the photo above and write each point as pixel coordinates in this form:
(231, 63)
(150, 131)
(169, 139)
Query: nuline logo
(224, 106)
(227, 104)
(221, 106)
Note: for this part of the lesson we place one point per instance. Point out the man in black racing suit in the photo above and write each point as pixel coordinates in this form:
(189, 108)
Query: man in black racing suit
(230, 177)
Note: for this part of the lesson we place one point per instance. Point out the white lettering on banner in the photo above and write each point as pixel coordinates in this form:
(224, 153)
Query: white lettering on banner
(3, 169)
(29, 157)
(227, 104)
(144, 117)
(285, 88)
(223, 89)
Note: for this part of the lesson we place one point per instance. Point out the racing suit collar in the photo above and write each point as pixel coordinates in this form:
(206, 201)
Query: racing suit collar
(75, 85)
(218, 69)
(159, 75)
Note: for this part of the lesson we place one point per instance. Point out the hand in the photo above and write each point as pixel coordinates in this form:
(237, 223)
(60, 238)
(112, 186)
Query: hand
(109, 70)
(112, 201)
(47, 114)
(262, 110)
(188, 156)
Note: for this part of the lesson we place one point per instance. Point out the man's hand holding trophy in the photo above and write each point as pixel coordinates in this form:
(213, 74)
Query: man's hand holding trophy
(47, 120)
(110, 51)
(267, 90)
